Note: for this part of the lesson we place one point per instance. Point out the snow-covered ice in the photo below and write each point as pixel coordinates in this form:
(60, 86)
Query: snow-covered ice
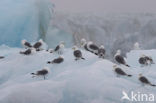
(84, 81)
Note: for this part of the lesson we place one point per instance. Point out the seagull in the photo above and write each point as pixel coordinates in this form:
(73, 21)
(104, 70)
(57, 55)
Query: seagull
(58, 60)
(92, 47)
(144, 80)
(136, 46)
(77, 53)
(119, 71)
(119, 59)
(42, 72)
(59, 48)
(26, 44)
(101, 52)
(38, 45)
(28, 51)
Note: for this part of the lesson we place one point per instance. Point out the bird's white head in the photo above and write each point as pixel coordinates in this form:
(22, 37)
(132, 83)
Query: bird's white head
(62, 44)
(136, 46)
(140, 75)
(83, 41)
(75, 47)
(115, 66)
(23, 41)
(41, 41)
(102, 47)
(47, 68)
(60, 56)
(118, 52)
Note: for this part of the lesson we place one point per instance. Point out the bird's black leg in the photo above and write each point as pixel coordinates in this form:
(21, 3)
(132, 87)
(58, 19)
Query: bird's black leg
(44, 77)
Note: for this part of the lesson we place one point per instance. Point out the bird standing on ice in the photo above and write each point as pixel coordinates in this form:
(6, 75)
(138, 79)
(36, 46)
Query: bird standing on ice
(143, 61)
(42, 72)
(92, 47)
(59, 48)
(58, 60)
(89, 46)
(136, 46)
(146, 60)
(26, 44)
(144, 80)
(77, 53)
(119, 71)
(119, 59)
(38, 45)
(101, 52)
(28, 51)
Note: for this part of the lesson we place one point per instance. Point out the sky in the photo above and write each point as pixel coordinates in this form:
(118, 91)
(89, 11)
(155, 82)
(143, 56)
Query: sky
(105, 6)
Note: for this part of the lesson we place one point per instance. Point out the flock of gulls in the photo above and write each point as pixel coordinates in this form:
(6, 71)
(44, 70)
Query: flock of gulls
(90, 47)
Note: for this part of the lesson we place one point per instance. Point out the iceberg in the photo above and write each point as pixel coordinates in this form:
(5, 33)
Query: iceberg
(24, 19)
(114, 31)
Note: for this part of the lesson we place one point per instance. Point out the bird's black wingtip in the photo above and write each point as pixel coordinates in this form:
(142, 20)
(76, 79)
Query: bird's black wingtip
(32, 73)
(129, 75)
(48, 62)
(153, 85)
(83, 58)
(127, 65)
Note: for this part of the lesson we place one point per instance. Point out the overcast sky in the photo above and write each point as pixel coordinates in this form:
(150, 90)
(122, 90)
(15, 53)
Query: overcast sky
(102, 6)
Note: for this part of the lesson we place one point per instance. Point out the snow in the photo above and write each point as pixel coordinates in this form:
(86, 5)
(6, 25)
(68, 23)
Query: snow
(84, 81)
